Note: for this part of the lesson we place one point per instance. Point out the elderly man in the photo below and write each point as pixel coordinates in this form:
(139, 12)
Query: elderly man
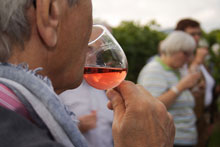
(53, 34)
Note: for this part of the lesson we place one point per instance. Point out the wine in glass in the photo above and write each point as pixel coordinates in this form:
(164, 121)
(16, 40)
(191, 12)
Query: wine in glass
(106, 64)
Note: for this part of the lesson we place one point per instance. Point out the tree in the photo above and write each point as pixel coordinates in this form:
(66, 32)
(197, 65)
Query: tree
(139, 44)
(214, 37)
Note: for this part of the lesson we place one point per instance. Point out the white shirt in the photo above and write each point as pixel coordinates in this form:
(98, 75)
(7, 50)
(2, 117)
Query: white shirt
(210, 83)
(82, 101)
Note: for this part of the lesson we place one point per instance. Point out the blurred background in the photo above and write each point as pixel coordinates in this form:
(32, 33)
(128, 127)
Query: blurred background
(139, 26)
(165, 12)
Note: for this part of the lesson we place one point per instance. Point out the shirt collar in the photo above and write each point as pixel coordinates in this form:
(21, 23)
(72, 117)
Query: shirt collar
(167, 68)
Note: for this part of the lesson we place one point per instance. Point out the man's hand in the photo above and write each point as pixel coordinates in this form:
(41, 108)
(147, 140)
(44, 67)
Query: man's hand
(140, 120)
(201, 53)
(87, 122)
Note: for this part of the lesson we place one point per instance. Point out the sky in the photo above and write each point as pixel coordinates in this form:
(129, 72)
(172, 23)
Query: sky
(166, 12)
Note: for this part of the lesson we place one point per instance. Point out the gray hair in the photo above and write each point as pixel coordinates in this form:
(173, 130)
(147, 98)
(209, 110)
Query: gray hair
(14, 26)
(177, 41)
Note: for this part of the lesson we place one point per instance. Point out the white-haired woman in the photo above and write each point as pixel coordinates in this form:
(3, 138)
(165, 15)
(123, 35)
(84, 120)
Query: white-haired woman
(161, 77)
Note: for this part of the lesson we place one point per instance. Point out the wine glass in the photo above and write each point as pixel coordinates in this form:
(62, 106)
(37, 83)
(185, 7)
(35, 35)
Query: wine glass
(106, 64)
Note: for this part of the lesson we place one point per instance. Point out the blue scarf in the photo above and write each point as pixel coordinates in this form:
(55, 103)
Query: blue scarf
(37, 94)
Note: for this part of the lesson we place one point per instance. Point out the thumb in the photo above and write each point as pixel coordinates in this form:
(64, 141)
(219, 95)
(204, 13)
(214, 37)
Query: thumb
(117, 103)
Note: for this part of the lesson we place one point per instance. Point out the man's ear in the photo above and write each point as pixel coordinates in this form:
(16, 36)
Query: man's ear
(48, 13)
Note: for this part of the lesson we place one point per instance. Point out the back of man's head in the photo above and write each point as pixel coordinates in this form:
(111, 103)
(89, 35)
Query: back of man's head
(14, 25)
(185, 23)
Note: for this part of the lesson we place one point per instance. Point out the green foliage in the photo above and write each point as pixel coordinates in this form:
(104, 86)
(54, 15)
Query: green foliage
(139, 44)
(214, 37)
(214, 62)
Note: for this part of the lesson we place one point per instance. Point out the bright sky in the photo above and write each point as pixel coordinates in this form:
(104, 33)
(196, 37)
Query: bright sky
(165, 12)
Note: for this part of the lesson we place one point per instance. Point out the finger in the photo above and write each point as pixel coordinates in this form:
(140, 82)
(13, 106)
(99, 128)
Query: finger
(117, 102)
(109, 105)
(172, 129)
(128, 91)
(93, 112)
(94, 115)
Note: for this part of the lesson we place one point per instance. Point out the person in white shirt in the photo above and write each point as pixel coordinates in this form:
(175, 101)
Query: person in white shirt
(95, 119)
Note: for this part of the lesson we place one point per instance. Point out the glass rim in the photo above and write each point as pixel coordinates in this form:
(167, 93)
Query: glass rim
(103, 31)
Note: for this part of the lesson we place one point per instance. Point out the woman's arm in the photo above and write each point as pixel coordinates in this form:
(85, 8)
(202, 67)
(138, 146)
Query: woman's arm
(169, 97)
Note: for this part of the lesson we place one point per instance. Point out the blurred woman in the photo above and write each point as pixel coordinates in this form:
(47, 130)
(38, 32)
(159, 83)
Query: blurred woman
(161, 77)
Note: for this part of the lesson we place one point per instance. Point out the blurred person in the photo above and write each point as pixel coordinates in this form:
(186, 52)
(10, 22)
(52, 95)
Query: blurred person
(193, 28)
(203, 91)
(190, 26)
(37, 32)
(95, 120)
(161, 77)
